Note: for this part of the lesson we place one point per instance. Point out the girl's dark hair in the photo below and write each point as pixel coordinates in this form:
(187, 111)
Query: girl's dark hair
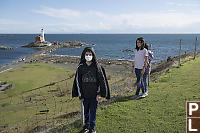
(141, 39)
(88, 49)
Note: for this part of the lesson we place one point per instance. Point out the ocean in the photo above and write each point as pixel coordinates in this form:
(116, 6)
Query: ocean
(109, 46)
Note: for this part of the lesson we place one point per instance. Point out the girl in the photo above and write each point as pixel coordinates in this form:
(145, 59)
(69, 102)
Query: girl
(139, 65)
(90, 83)
(146, 76)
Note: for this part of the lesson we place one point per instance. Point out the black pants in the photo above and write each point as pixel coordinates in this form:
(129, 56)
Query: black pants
(90, 107)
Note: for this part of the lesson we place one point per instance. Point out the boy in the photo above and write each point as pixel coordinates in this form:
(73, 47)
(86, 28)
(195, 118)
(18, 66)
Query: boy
(90, 84)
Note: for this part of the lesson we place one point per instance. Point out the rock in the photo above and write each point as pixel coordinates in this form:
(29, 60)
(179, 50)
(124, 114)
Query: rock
(5, 87)
(21, 60)
(5, 48)
(127, 50)
(3, 83)
(56, 43)
(169, 59)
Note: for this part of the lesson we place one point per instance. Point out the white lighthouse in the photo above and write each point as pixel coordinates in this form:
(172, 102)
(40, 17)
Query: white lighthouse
(42, 34)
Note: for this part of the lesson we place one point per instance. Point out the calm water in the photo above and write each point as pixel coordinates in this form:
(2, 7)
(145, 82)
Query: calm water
(106, 45)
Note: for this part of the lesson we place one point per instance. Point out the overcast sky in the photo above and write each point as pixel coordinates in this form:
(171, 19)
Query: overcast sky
(100, 16)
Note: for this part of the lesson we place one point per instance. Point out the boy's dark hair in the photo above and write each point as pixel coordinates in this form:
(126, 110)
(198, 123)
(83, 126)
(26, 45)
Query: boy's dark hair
(146, 46)
(141, 39)
(88, 49)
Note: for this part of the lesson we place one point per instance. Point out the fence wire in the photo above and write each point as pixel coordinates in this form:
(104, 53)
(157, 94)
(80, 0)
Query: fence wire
(39, 109)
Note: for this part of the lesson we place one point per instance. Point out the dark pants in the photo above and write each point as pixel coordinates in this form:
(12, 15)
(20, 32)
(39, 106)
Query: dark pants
(140, 83)
(145, 81)
(90, 107)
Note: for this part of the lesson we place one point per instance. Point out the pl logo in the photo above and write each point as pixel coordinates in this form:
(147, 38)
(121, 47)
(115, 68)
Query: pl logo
(193, 116)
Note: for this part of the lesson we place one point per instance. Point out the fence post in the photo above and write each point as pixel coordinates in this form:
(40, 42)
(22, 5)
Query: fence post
(195, 47)
(179, 59)
(82, 113)
(150, 46)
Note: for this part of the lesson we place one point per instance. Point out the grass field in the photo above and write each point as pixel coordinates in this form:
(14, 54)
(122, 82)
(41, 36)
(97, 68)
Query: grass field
(22, 111)
(163, 111)
(32, 106)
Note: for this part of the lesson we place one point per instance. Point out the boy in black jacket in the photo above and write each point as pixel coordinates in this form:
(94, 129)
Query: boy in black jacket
(90, 84)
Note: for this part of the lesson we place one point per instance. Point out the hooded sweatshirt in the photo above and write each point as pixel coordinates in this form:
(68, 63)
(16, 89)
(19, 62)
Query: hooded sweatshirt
(91, 80)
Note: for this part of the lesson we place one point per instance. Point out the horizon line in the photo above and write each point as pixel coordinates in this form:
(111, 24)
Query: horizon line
(98, 33)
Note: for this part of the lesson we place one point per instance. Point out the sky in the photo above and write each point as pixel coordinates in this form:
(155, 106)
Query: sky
(99, 16)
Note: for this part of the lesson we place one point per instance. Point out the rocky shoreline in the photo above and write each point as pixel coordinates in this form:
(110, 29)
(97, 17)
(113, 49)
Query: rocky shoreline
(6, 48)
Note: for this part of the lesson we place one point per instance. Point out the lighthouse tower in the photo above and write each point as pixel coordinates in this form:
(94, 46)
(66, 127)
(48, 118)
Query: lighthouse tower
(42, 34)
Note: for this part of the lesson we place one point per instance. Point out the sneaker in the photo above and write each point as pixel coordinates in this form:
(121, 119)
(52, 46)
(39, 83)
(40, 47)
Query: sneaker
(144, 95)
(134, 96)
(84, 130)
(92, 131)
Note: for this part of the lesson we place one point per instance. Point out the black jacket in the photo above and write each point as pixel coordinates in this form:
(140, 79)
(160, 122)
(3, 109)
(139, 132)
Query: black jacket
(90, 82)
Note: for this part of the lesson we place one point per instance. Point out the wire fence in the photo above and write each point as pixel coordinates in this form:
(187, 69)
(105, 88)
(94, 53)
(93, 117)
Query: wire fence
(195, 50)
(38, 109)
(46, 107)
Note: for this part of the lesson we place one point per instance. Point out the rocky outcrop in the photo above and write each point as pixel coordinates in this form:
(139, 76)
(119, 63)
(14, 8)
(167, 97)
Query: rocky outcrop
(38, 44)
(4, 86)
(73, 44)
(5, 48)
(70, 44)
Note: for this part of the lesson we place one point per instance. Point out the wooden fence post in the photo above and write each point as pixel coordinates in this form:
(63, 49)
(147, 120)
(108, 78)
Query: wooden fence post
(150, 46)
(195, 47)
(179, 59)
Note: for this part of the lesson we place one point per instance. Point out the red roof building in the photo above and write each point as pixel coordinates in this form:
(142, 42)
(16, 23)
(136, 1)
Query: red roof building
(39, 38)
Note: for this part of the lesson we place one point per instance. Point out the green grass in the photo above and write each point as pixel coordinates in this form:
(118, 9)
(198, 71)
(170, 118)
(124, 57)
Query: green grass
(20, 114)
(163, 111)
(31, 76)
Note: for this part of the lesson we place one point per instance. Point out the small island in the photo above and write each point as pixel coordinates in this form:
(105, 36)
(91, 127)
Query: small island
(40, 42)
(73, 44)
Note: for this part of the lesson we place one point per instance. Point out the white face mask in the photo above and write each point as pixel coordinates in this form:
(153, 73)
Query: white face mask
(88, 58)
